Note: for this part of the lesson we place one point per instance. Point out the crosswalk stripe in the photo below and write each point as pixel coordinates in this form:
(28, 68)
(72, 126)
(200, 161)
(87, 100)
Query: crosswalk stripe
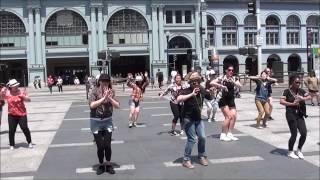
(172, 164)
(76, 119)
(236, 159)
(80, 144)
(88, 129)
(154, 102)
(236, 135)
(145, 108)
(17, 178)
(170, 124)
(155, 115)
(121, 168)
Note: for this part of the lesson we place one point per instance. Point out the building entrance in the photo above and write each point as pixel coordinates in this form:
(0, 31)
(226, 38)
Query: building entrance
(129, 64)
(14, 69)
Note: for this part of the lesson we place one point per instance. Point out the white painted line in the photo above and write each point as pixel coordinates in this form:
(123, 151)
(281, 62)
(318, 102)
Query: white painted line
(183, 137)
(154, 102)
(17, 178)
(76, 119)
(172, 164)
(236, 159)
(155, 115)
(126, 109)
(141, 125)
(81, 144)
(121, 168)
(170, 124)
(236, 135)
(86, 111)
(88, 129)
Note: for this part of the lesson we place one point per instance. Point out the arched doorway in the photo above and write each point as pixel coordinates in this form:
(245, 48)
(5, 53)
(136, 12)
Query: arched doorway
(294, 63)
(127, 27)
(178, 58)
(231, 60)
(12, 37)
(276, 65)
(65, 29)
(251, 66)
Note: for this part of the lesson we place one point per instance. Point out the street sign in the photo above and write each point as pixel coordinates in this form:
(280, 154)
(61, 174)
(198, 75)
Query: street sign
(259, 40)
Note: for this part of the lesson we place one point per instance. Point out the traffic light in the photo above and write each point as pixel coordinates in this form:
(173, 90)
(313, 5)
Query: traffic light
(99, 63)
(252, 7)
(202, 30)
(309, 37)
(243, 51)
(102, 55)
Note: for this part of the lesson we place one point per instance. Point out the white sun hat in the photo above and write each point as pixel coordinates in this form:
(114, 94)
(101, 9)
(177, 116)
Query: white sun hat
(13, 83)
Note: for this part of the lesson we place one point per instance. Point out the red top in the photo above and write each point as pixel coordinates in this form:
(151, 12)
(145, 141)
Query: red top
(16, 105)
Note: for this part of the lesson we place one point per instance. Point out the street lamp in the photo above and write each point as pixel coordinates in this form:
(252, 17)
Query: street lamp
(167, 36)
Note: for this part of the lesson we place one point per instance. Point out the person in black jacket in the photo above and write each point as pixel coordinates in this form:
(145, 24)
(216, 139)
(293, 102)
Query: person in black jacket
(194, 127)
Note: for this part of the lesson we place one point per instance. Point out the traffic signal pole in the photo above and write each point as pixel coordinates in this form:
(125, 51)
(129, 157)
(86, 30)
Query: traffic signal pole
(259, 60)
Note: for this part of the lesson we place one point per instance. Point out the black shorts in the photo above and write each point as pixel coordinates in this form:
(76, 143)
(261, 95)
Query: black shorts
(227, 102)
(176, 111)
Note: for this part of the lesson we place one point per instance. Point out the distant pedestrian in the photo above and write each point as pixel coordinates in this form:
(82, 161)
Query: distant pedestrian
(176, 107)
(261, 99)
(227, 84)
(159, 76)
(102, 101)
(152, 81)
(192, 98)
(312, 83)
(59, 84)
(270, 99)
(50, 83)
(135, 99)
(173, 75)
(17, 113)
(2, 102)
(76, 82)
(294, 99)
(212, 105)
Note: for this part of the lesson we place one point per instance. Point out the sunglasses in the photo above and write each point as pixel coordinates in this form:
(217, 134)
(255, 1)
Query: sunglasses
(297, 82)
(230, 70)
(194, 83)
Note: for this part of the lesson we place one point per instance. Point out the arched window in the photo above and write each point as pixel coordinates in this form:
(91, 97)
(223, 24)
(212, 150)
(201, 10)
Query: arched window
(211, 28)
(313, 24)
(127, 26)
(12, 31)
(179, 42)
(66, 28)
(250, 30)
(229, 31)
(293, 30)
(272, 31)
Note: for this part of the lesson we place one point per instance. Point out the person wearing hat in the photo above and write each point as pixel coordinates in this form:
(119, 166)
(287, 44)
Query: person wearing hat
(102, 101)
(192, 98)
(212, 105)
(17, 113)
(135, 99)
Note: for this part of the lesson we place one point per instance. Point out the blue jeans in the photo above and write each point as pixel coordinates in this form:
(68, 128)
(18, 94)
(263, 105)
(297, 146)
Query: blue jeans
(194, 129)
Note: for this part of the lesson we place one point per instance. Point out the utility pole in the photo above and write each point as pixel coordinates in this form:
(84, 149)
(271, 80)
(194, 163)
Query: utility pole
(259, 40)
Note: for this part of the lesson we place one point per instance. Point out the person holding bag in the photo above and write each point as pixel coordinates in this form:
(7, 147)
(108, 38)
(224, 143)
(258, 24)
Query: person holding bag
(102, 101)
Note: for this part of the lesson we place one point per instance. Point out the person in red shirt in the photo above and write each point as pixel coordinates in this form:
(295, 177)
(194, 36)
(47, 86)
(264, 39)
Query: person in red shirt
(50, 83)
(17, 113)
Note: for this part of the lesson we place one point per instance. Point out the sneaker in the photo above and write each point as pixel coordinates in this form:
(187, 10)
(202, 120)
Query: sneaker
(318, 104)
(187, 164)
(230, 135)
(292, 155)
(204, 161)
(173, 133)
(181, 132)
(135, 124)
(11, 147)
(259, 126)
(109, 169)
(312, 104)
(101, 169)
(299, 154)
(224, 137)
(130, 124)
(271, 118)
(209, 120)
(30, 145)
(213, 119)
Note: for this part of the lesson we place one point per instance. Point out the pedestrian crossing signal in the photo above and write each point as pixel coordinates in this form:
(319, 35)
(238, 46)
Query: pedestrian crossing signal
(252, 7)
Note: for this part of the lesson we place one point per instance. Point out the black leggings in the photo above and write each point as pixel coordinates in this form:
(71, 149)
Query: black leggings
(13, 123)
(103, 141)
(60, 88)
(295, 123)
(177, 113)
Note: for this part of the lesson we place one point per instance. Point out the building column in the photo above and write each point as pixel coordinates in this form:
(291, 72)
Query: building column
(218, 36)
(100, 28)
(31, 37)
(205, 43)
(283, 36)
(161, 35)
(197, 35)
(155, 37)
(240, 35)
(303, 36)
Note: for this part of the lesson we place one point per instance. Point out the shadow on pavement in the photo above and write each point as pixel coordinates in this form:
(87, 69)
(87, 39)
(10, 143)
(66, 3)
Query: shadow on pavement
(279, 152)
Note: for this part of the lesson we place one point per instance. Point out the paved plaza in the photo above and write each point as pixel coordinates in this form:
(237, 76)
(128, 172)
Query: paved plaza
(64, 147)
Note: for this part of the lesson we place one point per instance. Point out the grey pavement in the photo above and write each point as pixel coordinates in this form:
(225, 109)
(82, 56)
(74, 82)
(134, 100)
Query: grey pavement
(64, 147)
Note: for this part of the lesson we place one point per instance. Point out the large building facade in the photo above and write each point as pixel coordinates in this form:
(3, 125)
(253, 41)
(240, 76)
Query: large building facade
(47, 37)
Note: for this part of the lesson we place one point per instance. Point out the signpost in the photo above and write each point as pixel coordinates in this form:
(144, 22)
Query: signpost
(316, 59)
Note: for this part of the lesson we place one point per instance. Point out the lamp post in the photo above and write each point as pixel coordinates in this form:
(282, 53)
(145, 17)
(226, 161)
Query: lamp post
(167, 36)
